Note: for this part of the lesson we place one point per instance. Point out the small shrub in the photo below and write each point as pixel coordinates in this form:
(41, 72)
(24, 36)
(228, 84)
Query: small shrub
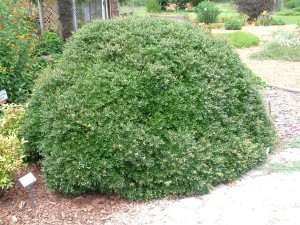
(265, 18)
(288, 13)
(163, 109)
(153, 6)
(207, 12)
(283, 46)
(292, 4)
(11, 119)
(49, 43)
(16, 46)
(253, 8)
(277, 22)
(241, 39)
(10, 160)
(233, 24)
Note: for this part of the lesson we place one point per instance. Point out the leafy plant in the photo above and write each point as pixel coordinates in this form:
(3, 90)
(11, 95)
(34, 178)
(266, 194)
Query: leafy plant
(207, 12)
(10, 160)
(11, 119)
(153, 6)
(265, 18)
(241, 39)
(233, 24)
(163, 109)
(253, 8)
(49, 43)
(277, 22)
(283, 46)
(16, 46)
(292, 4)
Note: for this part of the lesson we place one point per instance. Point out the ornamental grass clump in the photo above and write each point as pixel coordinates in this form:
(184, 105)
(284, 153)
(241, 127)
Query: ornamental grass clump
(146, 108)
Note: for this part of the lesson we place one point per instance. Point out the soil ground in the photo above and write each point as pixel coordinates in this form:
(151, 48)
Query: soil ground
(264, 196)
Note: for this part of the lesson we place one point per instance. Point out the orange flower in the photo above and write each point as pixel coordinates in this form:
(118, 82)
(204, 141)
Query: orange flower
(31, 47)
(1, 26)
(10, 8)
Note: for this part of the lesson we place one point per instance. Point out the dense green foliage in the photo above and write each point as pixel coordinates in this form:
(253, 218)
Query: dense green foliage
(16, 46)
(233, 24)
(11, 118)
(163, 109)
(253, 8)
(22, 50)
(10, 160)
(207, 12)
(49, 43)
(241, 39)
(153, 6)
(292, 3)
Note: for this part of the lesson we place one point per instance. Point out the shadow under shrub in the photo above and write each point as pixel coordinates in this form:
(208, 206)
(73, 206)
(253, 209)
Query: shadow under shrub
(163, 109)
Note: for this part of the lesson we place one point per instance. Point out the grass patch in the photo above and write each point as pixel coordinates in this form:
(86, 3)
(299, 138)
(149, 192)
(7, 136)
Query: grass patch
(288, 19)
(241, 39)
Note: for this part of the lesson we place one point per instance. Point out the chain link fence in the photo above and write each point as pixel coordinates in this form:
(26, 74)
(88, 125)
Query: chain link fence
(85, 12)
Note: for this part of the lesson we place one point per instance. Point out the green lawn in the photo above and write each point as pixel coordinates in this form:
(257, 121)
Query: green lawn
(288, 19)
(240, 39)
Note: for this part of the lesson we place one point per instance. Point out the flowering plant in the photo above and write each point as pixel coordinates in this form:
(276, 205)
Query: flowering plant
(265, 18)
(17, 41)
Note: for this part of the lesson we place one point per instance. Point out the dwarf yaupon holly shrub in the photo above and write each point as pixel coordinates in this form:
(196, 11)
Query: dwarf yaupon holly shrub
(146, 108)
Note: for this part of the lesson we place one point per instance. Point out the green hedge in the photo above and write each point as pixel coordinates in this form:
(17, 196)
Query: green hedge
(146, 108)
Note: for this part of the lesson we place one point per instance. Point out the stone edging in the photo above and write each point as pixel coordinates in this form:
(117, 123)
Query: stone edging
(284, 88)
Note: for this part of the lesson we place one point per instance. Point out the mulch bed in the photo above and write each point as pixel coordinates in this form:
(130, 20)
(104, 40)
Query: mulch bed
(53, 208)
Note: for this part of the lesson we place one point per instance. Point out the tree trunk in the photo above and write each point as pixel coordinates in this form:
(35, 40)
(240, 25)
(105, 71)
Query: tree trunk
(66, 17)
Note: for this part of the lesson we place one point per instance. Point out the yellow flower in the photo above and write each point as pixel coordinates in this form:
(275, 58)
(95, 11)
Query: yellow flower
(20, 36)
(13, 45)
(265, 12)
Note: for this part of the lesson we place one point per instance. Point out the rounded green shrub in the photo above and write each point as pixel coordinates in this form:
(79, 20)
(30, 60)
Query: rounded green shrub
(207, 12)
(146, 108)
(233, 24)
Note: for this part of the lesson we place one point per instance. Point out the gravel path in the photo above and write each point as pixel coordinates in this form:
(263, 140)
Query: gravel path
(274, 72)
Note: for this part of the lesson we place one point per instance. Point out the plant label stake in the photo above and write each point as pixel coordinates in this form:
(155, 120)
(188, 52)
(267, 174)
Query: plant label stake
(27, 181)
(3, 95)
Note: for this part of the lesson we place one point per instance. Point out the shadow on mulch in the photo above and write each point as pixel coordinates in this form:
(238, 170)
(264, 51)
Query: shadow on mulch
(54, 208)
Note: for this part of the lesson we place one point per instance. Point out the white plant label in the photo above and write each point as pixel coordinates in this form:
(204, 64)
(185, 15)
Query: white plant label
(3, 95)
(27, 179)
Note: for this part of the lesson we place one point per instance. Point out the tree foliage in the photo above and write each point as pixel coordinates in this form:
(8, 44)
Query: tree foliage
(253, 8)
